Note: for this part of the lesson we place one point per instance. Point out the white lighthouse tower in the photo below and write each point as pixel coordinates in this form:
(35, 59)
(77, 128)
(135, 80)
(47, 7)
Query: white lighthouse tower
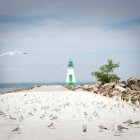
(70, 80)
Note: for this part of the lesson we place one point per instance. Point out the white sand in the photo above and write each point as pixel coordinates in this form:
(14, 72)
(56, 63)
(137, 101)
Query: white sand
(47, 88)
(68, 111)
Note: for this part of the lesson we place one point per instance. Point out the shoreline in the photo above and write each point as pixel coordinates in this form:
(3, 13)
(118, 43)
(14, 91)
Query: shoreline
(16, 90)
(27, 88)
(15, 87)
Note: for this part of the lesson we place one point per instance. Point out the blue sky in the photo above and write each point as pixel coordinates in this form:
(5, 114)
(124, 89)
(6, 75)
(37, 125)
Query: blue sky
(53, 31)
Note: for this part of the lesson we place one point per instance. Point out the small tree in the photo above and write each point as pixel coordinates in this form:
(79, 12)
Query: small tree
(105, 73)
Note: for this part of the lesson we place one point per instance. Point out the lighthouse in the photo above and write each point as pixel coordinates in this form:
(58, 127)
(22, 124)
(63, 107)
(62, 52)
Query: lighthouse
(70, 80)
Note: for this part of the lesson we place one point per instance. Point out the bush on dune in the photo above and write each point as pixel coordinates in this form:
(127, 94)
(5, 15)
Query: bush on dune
(105, 73)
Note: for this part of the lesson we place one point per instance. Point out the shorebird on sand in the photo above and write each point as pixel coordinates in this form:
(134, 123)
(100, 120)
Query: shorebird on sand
(18, 129)
(129, 121)
(84, 127)
(51, 125)
(136, 123)
(101, 127)
(118, 129)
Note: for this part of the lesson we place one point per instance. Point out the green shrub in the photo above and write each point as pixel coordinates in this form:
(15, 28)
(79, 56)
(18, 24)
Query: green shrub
(105, 73)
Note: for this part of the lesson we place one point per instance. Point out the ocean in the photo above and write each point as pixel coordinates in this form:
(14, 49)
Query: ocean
(17, 86)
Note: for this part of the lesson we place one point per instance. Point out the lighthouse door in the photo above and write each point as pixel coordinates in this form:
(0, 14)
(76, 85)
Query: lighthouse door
(70, 78)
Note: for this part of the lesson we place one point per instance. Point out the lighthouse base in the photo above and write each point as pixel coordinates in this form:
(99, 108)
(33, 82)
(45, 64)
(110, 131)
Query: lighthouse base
(70, 84)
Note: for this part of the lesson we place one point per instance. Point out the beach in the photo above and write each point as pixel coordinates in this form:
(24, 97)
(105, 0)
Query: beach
(56, 113)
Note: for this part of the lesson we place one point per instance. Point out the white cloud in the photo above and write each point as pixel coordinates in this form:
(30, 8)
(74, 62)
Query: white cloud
(59, 36)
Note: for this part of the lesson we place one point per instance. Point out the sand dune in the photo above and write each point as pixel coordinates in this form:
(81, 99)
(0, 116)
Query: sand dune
(61, 115)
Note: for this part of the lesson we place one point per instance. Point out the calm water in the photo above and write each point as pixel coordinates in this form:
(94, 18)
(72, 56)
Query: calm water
(10, 87)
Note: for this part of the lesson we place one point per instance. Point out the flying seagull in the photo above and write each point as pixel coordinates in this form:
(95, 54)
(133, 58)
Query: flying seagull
(12, 53)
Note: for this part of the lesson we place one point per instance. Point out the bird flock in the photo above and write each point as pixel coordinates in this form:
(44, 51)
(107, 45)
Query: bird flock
(54, 108)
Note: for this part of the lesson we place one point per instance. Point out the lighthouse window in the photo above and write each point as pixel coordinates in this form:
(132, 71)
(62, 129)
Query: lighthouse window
(70, 77)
